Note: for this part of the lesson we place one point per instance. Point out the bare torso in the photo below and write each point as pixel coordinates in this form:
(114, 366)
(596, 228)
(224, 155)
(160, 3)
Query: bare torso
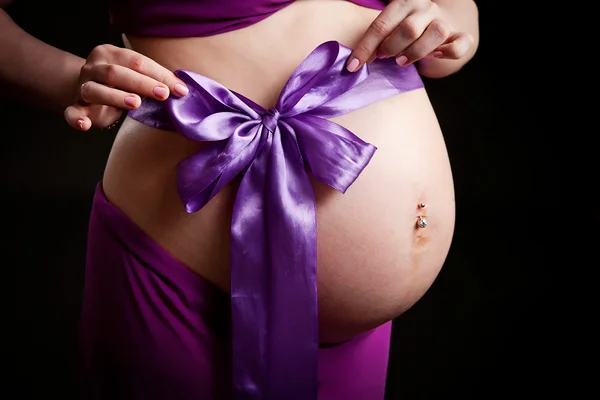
(373, 263)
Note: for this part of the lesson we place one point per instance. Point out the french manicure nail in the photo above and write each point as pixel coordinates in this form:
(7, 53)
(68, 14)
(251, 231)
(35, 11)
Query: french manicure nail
(181, 90)
(161, 92)
(131, 102)
(353, 64)
(401, 60)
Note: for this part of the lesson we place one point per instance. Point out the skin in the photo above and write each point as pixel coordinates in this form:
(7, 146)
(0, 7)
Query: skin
(441, 35)
(449, 26)
(373, 262)
(89, 92)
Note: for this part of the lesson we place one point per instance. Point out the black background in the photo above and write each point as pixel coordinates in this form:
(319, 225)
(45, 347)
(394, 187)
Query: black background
(502, 319)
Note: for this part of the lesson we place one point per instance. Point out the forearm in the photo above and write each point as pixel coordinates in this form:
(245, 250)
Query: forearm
(463, 16)
(35, 71)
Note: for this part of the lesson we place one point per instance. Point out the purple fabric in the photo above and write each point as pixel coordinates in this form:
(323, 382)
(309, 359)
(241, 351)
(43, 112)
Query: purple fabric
(273, 231)
(150, 328)
(153, 330)
(184, 18)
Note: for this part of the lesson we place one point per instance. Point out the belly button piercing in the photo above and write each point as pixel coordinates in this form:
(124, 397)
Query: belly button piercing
(421, 221)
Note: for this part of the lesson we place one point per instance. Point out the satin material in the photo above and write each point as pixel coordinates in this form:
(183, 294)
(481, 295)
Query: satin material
(273, 230)
(185, 18)
(151, 329)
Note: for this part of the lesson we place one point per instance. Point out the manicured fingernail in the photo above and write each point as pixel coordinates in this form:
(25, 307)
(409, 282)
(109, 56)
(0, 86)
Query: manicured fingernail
(181, 90)
(161, 92)
(438, 54)
(131, 102)
(381, 55)
(80, 123)
(353, 64)
(401, 60)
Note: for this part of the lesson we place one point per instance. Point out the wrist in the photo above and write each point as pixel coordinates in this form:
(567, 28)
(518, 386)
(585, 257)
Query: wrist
(68, 84)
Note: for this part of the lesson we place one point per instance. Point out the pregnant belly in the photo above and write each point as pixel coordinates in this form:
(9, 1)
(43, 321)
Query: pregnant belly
(373, 260)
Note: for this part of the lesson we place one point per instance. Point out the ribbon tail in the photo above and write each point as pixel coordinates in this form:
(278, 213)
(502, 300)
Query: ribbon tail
(273, 278)
(292, 238)
(249, 282)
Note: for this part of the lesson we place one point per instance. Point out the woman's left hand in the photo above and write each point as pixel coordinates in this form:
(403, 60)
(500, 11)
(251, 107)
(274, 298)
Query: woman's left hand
(410, 30)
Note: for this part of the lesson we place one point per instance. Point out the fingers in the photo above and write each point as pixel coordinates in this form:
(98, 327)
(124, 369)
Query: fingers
(83, 117)
(114, 79)
(380, 28)
(95, 93)
(435, 35)
(457, 46)
(123, 79)
(143, 65)
(76, 117)
(407, 32)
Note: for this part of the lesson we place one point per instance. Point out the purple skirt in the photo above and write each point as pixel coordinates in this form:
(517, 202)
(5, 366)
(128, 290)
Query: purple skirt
(165, 333)
(152, 329)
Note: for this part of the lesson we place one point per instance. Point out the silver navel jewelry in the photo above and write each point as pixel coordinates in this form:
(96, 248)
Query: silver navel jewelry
(421, 221)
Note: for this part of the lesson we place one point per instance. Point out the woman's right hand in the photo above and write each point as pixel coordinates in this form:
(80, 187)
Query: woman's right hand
(114, 79)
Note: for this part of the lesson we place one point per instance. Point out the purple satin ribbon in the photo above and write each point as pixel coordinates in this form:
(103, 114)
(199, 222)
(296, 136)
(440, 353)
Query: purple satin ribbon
(273, 231)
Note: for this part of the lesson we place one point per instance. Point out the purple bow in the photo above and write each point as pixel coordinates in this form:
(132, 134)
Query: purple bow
(273, 231)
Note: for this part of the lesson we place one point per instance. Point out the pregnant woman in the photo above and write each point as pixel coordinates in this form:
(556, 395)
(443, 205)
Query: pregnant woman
(278, 193)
